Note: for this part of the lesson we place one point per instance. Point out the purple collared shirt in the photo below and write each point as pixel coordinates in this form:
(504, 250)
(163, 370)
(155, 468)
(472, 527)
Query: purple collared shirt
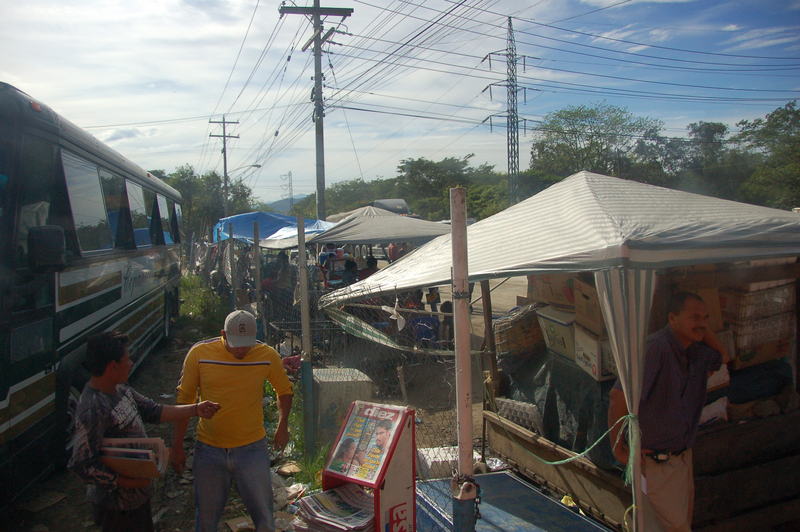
(673, 390)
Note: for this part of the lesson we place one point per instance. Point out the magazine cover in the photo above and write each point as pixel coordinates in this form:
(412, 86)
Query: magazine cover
(368, 434)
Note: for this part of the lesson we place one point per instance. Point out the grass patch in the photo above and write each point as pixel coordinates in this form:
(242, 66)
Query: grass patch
(311, 466)
(201, 307)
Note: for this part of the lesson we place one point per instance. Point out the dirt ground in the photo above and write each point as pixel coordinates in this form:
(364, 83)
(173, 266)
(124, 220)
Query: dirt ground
(173, 504)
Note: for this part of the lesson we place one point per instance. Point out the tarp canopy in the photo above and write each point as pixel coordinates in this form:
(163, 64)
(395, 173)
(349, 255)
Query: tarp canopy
(590, 222)
(271, 226)
(370, 225)
(623, 231)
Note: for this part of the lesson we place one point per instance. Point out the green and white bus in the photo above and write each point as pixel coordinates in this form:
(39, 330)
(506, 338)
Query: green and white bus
(88, 242)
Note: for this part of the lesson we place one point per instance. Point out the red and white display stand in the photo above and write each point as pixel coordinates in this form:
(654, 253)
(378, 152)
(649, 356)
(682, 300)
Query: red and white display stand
(376, 449)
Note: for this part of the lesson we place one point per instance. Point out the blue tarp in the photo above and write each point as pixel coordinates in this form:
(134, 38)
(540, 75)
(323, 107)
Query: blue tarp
(269, 223)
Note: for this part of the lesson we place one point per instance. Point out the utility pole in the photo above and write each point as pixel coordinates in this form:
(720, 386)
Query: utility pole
(319, 112)
(225, 137)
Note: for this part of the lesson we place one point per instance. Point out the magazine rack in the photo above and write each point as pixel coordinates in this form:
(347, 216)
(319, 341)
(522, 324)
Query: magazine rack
(376, 449)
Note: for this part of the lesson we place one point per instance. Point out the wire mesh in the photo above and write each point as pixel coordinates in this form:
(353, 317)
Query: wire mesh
(416, 369)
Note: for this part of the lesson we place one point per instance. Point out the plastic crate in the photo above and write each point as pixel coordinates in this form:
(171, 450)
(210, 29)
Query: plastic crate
(518, 332)
(739, 306)
(751, 333)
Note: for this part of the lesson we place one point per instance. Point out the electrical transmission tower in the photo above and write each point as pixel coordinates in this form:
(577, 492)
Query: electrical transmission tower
(512, 118)
(287, 178)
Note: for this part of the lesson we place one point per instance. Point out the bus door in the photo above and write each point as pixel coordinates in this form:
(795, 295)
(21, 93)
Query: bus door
(29, 350)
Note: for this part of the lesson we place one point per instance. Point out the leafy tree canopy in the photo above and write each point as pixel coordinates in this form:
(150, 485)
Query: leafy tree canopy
(588, 137)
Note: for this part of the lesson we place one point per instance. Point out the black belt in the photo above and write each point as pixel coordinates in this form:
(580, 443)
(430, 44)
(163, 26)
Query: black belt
(663, 456)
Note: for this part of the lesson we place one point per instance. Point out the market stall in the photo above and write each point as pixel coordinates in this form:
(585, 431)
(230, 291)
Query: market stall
(630, 238)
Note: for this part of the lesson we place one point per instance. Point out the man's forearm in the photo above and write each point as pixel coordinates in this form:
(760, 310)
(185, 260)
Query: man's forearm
(284, 407)
(712, 340)
(180, 431)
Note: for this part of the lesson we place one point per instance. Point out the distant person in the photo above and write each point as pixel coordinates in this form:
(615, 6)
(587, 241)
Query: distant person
(372, 267)
(232, 447)
(448, 331)
(109, 408)
(350, 273)
(393, 252)
(405, 248)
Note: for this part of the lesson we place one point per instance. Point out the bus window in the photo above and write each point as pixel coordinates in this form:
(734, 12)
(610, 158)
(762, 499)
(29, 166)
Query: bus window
(165, 212)
(139, 216)
(178, 218)
(156, 236)
(117, 210)
(88, 207)
(41, 198)
(175, 217)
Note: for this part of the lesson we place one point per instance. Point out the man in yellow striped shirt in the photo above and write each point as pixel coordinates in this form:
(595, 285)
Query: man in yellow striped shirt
(232, 447)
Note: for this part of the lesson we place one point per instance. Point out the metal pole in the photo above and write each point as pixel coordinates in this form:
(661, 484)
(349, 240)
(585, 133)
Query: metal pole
(463, 487)
(233, 266)
(305, 361)
(319, 112)
(257, 259)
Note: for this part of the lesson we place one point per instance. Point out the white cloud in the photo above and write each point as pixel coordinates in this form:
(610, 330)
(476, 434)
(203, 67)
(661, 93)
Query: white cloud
(763, 38)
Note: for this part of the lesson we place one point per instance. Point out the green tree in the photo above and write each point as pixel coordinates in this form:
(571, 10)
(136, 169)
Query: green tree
(775, 141)
(588, 137)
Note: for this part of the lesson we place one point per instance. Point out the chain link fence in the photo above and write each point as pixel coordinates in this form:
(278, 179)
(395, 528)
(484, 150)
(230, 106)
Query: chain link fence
(417, 370)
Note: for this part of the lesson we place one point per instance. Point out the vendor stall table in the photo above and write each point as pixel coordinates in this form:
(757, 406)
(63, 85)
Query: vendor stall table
(508, 504)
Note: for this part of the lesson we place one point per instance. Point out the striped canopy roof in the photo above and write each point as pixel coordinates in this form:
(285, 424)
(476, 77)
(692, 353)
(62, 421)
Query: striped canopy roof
(591, 222)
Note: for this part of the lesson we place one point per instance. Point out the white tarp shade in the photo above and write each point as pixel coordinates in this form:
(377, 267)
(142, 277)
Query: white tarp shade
(621, 230)
(370, 225)
(591, 222)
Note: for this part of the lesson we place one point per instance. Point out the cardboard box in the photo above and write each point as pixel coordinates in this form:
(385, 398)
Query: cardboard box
(558, 328)
(763, 353)
(587, 308)
(594, 355)
(556, 289)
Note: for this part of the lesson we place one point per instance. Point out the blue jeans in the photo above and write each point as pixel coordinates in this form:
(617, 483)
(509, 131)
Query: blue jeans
(247, 466)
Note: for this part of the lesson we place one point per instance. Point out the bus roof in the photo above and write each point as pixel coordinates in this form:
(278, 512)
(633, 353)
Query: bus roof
(16, 104)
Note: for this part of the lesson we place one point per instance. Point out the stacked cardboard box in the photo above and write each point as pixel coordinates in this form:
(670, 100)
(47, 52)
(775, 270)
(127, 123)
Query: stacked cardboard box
(763, 322)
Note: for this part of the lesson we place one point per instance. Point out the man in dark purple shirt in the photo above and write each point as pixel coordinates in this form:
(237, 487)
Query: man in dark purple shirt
(678, 360)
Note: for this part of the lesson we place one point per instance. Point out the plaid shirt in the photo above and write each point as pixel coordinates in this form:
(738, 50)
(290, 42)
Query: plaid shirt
(102, 415)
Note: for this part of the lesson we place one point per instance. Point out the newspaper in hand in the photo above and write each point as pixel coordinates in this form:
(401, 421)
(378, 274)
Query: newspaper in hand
(135, 457)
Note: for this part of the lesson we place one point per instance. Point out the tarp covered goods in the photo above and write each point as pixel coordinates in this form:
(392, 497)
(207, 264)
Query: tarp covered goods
(622, 230)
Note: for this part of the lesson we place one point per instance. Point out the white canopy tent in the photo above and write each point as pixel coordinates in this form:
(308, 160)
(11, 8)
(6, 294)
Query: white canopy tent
(622, 230)
(371, 225)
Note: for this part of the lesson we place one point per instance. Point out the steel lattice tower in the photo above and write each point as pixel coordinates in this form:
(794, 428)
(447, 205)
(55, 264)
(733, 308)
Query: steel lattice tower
(511, 118)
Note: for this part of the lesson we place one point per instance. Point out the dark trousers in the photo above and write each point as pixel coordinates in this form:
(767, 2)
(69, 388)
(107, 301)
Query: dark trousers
(112, 520)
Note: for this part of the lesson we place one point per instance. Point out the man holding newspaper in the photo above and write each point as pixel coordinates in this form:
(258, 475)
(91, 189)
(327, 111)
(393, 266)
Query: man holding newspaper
(108, 408)
(232, 447)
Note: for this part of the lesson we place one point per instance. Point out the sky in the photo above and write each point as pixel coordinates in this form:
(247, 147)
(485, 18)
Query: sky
(403, 79)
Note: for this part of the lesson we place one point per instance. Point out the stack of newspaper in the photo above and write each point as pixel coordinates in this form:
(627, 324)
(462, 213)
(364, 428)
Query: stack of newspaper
(135, 457)
(340, 509)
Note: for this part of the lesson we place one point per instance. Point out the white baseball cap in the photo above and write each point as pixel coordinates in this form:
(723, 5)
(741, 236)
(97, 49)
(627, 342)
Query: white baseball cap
(240, 329)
